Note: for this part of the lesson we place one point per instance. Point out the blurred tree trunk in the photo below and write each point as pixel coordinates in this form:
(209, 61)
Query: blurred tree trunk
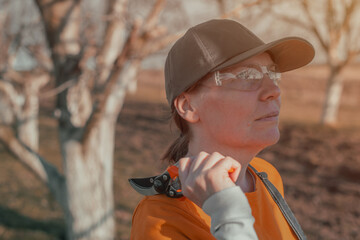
(25, 104)
(334, 25)
(88, 166)
(87, 103)
(87, 130)
(19, 103)
(333, 96)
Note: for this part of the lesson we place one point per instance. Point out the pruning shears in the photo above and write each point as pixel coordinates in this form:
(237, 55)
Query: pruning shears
(166, 183)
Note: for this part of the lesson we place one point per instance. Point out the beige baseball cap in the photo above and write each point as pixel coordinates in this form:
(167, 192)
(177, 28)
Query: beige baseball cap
(220, 43)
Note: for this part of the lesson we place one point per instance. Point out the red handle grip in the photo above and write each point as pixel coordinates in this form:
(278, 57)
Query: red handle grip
(174, 171)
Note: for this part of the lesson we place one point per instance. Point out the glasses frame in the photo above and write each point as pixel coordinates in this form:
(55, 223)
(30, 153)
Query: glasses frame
(275, 76)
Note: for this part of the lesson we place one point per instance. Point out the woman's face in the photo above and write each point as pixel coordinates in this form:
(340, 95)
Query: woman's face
(235, 118)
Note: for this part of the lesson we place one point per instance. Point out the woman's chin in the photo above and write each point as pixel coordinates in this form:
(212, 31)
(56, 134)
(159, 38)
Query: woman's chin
(270, 137)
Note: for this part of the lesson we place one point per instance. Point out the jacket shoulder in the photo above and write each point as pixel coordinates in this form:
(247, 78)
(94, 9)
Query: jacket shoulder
(159, 217)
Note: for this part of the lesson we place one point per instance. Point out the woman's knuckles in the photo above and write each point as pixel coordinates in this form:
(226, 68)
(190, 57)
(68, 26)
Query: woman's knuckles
(217, 155)
(202, 155)
(211, 176)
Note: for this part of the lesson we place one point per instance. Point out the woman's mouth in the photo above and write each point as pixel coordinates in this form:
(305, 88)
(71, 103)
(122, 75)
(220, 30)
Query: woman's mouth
(272, 116)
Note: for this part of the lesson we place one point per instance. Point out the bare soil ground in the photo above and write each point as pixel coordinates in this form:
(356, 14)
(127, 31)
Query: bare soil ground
(320, 166)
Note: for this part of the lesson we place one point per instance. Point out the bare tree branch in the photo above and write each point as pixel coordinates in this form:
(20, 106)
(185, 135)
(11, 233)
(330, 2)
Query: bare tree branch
(346, 31)
(148, 31)
(4, 44)
(329, 18)
(99, 110)
(236, 10)
(159, 44)
(113, 41)
(349, 11)
(43, 170)
(37, 78)
(313, 26)
(221, 7)
(55, 91)
(133, 48)
(59, 15)
(10, 102)
(352, 54)
(43, 60)
(152, 18)
(291, 20)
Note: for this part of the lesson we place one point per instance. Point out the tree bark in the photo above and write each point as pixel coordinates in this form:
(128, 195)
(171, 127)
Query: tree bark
(87, 148)
(337, 35)
(333, 96)
(21, 108)
(87, 129)
(89, 188)
(27, 121)
(44, 171)
(18, 120)
(113, 41)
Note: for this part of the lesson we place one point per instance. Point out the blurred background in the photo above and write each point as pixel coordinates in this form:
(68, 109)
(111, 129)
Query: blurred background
(83, 108)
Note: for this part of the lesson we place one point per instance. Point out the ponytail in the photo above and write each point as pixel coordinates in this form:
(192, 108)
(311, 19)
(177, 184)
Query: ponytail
(179, 147)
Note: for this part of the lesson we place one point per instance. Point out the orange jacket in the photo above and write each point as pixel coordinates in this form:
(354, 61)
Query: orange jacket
(159, 217)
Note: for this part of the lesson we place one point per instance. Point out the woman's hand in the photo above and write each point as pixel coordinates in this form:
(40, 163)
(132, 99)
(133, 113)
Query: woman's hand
(206, 174)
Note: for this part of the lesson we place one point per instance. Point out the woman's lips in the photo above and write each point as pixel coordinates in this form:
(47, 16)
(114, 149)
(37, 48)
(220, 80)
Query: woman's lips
(272, 116)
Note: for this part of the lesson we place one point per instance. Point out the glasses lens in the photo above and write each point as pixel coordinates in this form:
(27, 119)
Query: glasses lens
(247, 78)
(250, 73)
(274, 74)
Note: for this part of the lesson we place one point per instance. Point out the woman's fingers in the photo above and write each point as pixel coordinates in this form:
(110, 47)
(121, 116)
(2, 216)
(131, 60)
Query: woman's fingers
(184, 167)
(195, 164)
(206, 174)
(204, 161)
(218, 177)
(229, 167)
(213, 159)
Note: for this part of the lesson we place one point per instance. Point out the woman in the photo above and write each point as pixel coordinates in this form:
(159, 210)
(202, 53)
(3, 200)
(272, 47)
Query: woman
(222, 86)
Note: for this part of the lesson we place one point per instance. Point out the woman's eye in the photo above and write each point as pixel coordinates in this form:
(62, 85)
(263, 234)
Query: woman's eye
(249, 74)
(243, 75)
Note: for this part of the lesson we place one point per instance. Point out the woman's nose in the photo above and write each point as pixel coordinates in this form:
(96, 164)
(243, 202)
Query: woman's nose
(269, 90)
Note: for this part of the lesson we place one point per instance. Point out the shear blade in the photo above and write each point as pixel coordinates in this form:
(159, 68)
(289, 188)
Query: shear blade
(143, 186)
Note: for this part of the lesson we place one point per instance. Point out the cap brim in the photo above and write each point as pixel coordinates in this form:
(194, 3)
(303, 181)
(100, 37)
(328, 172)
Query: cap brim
(288, 53)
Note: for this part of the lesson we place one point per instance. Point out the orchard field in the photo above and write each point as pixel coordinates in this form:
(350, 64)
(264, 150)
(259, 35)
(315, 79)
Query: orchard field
(320, 165)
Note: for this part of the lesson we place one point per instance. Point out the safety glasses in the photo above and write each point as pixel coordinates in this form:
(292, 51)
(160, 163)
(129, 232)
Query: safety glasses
(247, 78)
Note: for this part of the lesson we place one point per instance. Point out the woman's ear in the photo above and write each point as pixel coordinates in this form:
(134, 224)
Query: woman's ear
(185, 109)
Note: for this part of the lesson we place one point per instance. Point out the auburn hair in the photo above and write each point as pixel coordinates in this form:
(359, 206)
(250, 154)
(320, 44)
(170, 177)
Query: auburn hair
(180, 146)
